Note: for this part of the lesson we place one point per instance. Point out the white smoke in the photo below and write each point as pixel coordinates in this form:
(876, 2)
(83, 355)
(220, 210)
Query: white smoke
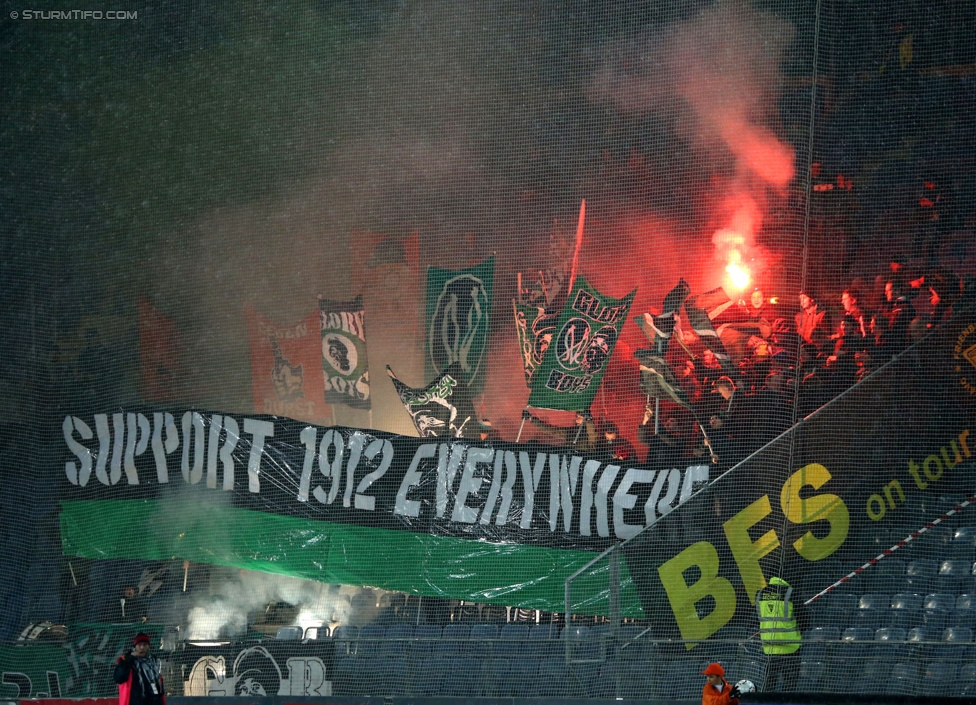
(237, 600)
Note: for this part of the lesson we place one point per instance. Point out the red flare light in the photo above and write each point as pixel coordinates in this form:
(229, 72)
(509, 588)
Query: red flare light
(738, 275)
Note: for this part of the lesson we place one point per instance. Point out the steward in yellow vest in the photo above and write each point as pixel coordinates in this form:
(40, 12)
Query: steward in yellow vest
(780, 635)
(777, 624)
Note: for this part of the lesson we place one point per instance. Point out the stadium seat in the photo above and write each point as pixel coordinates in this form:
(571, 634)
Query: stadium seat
(316, 633)
(673, 679)
(937, 679)
(942, 601)
(605, 684)
(425, 636)
(963, 616)
(482, 640)
(920, 575)
(344, 639)
(464, 678)
(293, 633)
(370, 640)
(963, 544)
(936, 620)
(857, 645)
(408, 614)
(524, 676)
(811, 676)
(872, 611)
(384, 677)
(868, 678)
(584, 680)
(939, 601)
(634, 644)
(638, 681)
(955, 644)
(512, 640)
(904, 612)
(583, 643)
(889, 643)
(817, 640)
(497, 682)
(397, 643)
(427, 675)
(544, 640)
(347, 675)
(902, 679)
(833, 610)
(454, 640)
(966, 682)
(553, 677)
(846, 603)
(887, 576)
(922, 641)
(954, 575)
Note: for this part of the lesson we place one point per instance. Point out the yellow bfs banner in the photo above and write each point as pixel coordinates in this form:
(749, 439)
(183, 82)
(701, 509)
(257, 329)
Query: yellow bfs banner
(874, 480)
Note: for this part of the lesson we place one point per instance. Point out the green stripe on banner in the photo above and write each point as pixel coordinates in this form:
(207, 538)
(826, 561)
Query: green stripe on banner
(508, 574)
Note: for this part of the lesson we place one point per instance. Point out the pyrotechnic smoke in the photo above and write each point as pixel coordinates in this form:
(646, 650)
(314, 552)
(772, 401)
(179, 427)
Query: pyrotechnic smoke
(713, 80)
(236, 600)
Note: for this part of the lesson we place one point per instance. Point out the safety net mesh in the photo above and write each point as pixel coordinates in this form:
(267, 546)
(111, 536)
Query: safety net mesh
(489, 349)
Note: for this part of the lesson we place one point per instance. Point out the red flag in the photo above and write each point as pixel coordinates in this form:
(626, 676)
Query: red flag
(286, 367)
(160, 353)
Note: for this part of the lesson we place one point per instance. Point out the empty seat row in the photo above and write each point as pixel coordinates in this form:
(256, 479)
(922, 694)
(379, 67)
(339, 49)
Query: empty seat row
(467, 676)
(934, 678)
(463, 639)
(528, 677)
(904, 610)
(955, 643)
(894, 575)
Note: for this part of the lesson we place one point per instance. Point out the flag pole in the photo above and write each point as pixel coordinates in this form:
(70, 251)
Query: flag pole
(578, 246)
(525, 415)
(579, 429)
(708, 444)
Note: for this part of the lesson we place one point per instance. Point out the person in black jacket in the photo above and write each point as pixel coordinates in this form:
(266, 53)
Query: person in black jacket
(137, 675)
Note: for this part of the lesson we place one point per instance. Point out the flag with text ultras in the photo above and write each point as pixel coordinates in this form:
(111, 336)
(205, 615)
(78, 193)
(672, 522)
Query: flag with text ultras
(442, 409)
(584, 338)
(457, 321)
(344, 360)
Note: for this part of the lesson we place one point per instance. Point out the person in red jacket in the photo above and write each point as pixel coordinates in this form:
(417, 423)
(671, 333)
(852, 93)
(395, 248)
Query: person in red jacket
(137, 674)
(717, 691)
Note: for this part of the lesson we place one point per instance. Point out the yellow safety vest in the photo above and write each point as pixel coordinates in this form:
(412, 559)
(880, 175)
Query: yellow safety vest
(777, 625)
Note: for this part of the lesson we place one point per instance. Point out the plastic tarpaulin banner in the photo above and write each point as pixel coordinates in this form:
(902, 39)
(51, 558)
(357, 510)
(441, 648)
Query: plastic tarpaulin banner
(337, 504)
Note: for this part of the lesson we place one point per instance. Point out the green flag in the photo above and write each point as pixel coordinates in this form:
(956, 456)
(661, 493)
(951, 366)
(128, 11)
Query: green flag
(457, 321)
(534, 328)
(576, 359)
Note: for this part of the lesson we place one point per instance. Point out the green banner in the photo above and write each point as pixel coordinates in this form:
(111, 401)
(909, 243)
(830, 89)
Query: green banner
(534, 328)
(457, 321)
(509, 574)
(576, 359)
(75, 662)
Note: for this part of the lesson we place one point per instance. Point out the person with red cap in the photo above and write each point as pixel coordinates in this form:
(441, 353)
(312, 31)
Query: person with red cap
(717, 691)
(137, 675)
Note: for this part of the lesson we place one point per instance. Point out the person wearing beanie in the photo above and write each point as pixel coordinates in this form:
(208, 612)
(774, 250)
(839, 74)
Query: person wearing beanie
(717, 691)
(137, 675)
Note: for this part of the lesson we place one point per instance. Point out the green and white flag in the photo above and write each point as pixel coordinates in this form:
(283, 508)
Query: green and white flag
(582, 343)
(344, 359)
(457, 321)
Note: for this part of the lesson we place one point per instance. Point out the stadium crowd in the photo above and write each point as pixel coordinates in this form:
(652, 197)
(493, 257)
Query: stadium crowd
(775, 358)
